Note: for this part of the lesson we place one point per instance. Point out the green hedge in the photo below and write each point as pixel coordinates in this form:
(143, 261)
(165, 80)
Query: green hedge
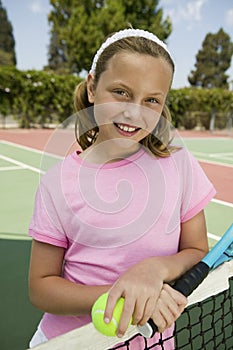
(36, 97)
(192, 107)
(41, 97)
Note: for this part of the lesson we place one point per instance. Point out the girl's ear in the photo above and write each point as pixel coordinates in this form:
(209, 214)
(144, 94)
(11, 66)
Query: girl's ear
(90, 88)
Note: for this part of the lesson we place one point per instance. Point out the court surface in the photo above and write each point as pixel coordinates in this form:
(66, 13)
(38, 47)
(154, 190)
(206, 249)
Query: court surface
(21, 167)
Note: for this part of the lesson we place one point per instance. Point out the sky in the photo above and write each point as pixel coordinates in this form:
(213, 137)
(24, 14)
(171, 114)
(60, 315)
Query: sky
(191, 20)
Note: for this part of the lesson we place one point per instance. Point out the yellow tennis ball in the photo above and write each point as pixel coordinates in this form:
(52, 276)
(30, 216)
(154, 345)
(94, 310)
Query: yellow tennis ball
(97, 314)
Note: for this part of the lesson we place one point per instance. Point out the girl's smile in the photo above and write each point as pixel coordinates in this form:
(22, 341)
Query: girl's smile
(126, 130)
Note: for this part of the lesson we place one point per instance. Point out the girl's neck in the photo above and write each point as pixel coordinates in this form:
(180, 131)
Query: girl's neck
(110, 152)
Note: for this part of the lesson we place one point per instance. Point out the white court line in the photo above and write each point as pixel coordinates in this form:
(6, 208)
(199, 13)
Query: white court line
(212, 236)
(213, 155)
(227, 158)
(15, 236)
(226, 154)
(30, 149)
(22, 165)
(218, 201)
(199, 138)
(201, 155)
(10, 168)
(213, 162)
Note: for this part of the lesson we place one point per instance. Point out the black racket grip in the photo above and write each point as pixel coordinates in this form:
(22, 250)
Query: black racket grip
(186, 284)
(191, 279)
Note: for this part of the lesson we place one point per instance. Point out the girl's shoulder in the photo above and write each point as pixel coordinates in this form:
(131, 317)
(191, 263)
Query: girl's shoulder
(182, 160)
(181, 155)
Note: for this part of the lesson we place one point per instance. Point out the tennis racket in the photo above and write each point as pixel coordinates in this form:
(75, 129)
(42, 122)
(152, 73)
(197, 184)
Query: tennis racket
(221, 252)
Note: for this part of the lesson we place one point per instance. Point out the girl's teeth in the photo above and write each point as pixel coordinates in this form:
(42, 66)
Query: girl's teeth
(126, 128)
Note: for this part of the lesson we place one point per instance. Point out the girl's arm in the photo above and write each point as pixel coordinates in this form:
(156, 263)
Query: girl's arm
(143, 285)
(52, 293)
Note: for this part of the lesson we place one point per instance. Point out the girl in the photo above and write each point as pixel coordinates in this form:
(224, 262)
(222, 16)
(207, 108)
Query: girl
(125, 215)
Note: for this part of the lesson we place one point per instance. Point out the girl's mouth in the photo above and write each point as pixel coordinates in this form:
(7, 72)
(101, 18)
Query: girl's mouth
(126, 130)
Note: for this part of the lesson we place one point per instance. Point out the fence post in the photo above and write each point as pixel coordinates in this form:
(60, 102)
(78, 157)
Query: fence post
(212, 119)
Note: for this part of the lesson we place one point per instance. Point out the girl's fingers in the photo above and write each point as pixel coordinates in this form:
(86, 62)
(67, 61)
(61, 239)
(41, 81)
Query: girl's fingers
(138, 313)
(169, 307)
(111, 303)
(147, 312)
(163, 317)
(178, 301)
(126, 316)
(159, 320)
(170, 313)
(177, 296)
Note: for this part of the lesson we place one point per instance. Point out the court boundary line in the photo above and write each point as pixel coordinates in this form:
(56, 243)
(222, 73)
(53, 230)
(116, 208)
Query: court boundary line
(27, 148)
(10, 168)
(204, 157)
(201, 157)
(22, 165)
(205, 137)
(15, 236)
(219, 201)
(221, 154)
(213, 236)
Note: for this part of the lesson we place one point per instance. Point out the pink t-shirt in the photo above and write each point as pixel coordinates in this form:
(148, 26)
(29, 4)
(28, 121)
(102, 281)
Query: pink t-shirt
(109, 217)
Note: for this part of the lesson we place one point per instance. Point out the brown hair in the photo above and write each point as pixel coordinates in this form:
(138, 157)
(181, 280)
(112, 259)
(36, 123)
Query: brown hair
(159, 140)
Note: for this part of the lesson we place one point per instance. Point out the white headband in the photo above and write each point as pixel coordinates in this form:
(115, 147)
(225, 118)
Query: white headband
(125, 34)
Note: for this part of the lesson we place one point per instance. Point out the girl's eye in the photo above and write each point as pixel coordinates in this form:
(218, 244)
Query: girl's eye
(152, 100)
(121, 92)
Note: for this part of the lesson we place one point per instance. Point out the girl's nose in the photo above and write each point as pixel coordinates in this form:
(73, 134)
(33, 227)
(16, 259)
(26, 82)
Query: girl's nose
(133, 112)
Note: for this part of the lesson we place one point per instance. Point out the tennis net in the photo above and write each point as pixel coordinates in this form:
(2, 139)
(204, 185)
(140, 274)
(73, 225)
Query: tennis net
(206, 323)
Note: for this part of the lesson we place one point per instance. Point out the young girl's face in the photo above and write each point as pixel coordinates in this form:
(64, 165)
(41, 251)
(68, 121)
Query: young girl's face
(129, 97)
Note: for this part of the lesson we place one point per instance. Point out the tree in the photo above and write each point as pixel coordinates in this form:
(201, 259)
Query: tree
(7, 42)
(212, 61)
(78, 27)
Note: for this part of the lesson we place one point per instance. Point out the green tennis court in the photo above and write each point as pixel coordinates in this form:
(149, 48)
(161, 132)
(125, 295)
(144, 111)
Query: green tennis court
(216, 149)
(20, 171)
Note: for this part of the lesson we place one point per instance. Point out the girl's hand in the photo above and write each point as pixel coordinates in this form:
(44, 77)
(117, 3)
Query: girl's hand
(141, 286)
(168, 308)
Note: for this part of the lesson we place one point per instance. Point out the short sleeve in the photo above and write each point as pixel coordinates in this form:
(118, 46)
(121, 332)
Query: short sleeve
(197, 188)
(45, 225)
